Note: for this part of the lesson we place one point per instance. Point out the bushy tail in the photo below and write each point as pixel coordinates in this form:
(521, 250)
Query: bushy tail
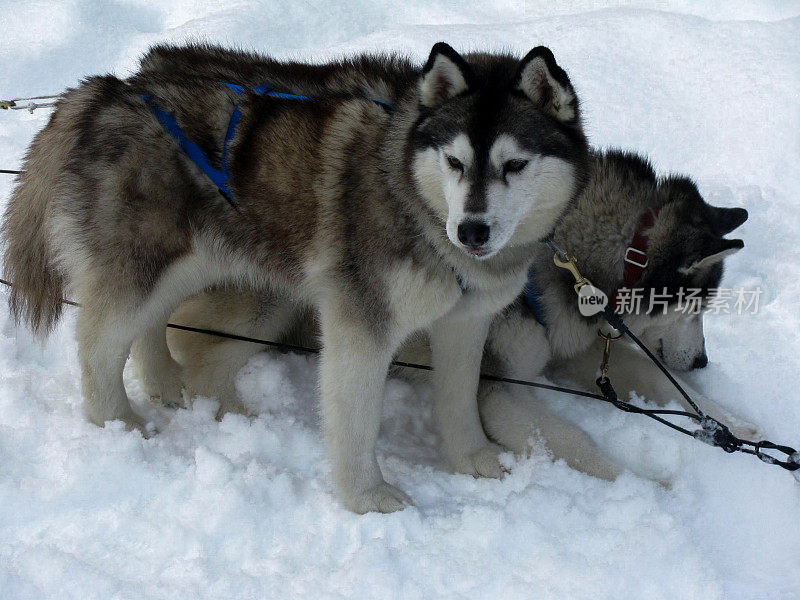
(28, 262)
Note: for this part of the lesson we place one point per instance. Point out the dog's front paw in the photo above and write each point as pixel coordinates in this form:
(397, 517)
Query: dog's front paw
(738, 426)
(134, 422)
(147, 430)
(383, 498)
(483, 463)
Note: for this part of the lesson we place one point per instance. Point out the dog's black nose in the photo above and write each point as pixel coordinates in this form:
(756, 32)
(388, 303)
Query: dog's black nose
(473, 234)
(700, 361)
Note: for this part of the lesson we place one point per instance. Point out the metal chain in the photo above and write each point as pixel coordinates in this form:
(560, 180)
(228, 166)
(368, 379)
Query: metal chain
(712, 431)
(31, 106)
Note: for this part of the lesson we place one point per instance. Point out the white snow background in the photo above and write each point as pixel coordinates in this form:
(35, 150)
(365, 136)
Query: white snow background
(244, 508)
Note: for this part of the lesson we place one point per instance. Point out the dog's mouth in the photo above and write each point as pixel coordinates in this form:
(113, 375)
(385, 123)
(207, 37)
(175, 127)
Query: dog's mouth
(479, 253)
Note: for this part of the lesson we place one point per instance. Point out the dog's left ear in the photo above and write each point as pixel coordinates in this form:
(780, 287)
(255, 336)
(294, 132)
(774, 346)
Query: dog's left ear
(445, 75)
(545, 83)
(724, 220)
(720, 221)
(716, 250)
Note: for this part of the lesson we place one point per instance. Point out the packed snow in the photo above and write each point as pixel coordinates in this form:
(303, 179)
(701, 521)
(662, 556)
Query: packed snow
(244, 508)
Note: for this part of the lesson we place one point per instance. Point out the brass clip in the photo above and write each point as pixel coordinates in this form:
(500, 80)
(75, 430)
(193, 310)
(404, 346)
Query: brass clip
(6, 104)
(608, 337)
(571, 265)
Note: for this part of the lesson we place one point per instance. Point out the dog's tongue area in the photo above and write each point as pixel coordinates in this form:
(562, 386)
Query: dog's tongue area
(243, 509)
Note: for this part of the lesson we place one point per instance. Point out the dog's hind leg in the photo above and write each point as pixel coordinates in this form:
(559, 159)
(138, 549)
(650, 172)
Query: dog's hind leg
(209, 364)
(104, 340)
(158, 373)
(111, 318)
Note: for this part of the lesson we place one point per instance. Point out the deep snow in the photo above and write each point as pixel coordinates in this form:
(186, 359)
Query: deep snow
(244, 508)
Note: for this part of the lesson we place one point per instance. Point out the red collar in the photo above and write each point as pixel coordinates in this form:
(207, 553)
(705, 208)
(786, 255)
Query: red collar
(636, 259)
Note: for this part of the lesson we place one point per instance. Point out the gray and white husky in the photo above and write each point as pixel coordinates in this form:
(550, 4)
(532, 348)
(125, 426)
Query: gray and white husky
(685, 251)
(686, 248)
(383, 222)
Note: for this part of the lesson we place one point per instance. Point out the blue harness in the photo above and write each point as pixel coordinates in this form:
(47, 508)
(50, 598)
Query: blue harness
(221, 177)
(533, 298)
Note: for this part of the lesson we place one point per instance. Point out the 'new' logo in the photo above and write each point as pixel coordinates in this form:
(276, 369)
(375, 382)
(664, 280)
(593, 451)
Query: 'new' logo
(591, 300)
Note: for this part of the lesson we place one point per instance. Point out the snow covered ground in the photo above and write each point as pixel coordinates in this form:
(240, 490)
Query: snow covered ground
(244, 508)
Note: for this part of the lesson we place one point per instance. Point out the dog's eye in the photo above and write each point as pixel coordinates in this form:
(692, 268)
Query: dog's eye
(454, 163)
(514, 166)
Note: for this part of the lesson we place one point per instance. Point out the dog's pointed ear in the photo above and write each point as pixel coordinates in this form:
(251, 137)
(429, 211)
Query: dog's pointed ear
(445, 75)
(724, 220)
(545, 83)
(720, 221)
(716, 250)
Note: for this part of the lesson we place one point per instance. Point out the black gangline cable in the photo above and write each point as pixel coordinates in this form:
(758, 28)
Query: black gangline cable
(396, 363)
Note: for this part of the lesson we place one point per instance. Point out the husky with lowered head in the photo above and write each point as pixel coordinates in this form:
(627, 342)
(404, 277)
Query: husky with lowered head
(383, 222)
(685, 248)
(626, 213)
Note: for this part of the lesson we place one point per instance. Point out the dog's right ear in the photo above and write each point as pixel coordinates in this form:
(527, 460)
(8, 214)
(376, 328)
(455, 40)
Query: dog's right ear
(445, 75)
(715, 251)
(545, 83)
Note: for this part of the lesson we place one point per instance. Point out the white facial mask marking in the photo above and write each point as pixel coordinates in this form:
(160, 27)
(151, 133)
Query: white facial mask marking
(680, 336)
(525, 206)
(521, 210)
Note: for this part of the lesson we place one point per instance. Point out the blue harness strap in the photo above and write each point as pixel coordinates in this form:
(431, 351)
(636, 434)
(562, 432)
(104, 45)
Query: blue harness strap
(192, 150)
(221, 177)
(533, 298)
(232, 124)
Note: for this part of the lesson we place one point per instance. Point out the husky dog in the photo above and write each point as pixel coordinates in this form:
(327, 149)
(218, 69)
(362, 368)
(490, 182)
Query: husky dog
(384, 222)
(685, 249)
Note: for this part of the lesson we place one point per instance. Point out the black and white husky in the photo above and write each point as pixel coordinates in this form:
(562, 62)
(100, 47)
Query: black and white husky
(383, 221)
